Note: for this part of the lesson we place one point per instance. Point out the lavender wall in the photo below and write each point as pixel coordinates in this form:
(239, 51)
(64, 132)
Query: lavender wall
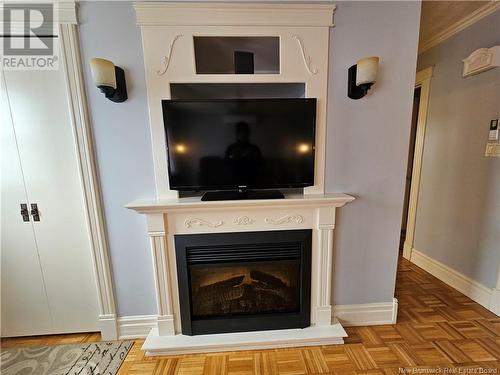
(123, 145)
(367, 146)
(458, 211)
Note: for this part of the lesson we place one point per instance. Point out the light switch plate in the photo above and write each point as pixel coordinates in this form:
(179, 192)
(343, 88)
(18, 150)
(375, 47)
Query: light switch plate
(494, 128)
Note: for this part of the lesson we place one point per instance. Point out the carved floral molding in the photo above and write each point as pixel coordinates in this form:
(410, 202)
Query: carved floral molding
(287, 219)
(191, 222)
(243, 220)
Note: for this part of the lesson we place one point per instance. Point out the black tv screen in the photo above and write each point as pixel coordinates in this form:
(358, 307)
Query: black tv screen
(235, 143)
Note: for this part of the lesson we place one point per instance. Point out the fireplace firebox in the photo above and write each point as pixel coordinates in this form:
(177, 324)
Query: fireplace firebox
(246, 281)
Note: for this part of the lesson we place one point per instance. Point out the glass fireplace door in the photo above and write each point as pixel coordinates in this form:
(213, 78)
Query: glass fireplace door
(248, 281)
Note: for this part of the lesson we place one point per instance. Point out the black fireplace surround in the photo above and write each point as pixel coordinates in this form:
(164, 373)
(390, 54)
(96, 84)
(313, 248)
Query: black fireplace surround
(246, 281)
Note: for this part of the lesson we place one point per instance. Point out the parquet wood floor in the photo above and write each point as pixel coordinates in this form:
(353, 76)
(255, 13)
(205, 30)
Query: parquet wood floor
(439, 331)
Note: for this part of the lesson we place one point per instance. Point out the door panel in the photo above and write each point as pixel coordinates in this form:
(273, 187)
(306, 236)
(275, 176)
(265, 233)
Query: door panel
(47, 150)
(24, 304)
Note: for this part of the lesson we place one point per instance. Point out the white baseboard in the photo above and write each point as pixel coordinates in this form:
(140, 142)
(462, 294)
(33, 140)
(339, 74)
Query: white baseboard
(464, 284)
(495, 301)
(136, 327)
(108, 328)
(367, 313)
(406, 250)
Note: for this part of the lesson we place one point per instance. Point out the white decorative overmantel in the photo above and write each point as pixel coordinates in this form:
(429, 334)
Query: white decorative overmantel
(168, 30)
(169, 217)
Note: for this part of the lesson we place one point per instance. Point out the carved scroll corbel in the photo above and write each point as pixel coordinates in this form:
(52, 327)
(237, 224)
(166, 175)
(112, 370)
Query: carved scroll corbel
(168, 57)
(307, 59)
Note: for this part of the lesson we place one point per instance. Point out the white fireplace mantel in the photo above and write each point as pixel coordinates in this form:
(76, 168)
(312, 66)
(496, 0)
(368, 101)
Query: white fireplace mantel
(168, 31)
(168, 217)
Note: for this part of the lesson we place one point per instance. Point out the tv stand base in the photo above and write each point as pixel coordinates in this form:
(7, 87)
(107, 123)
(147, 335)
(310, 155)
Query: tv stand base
(230, 195)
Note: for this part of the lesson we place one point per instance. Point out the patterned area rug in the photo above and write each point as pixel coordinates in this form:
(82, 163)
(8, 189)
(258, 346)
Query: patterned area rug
(99, 358)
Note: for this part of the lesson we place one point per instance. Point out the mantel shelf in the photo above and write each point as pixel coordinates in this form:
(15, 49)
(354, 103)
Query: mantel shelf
(298, 200)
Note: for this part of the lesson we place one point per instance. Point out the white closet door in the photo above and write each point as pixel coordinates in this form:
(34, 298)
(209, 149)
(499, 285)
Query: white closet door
(47, 150)
(25, 310)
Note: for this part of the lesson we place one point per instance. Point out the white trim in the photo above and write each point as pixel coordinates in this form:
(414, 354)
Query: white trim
(135, 327)
(139, 326)
(455, 28)
(464, 284)
(233, 14)
(495, 301)
(70, 54)
(66, 14)
(422, 80)
(495, 296)
(367, 314)
(67, 11)
(157, 344)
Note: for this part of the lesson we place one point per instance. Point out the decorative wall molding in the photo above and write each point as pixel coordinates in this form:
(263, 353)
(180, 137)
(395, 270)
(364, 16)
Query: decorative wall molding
(191, 222)
(464, 284)
(455, 28)
(306, 59)
(168, 57)
(287, 219)
(367, 313)
(82, 131)
(135, 327)
(233, 14)
(243, 220)
(481, 60)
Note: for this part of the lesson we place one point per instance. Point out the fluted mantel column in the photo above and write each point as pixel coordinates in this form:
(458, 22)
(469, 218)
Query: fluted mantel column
(322, 265)
(157, 237)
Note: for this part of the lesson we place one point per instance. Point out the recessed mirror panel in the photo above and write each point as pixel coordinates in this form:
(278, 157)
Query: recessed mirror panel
(237, 54)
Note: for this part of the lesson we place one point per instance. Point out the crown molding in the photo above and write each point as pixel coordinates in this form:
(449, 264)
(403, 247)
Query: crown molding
(423, 75)
(460, 25)
(233, 14)
(65, 10)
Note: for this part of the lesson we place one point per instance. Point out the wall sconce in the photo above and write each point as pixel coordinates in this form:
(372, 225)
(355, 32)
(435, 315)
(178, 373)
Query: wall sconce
(361, 77)
(110, 79)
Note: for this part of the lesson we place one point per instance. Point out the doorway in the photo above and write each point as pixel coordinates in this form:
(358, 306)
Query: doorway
(409, 167)
(415, 153)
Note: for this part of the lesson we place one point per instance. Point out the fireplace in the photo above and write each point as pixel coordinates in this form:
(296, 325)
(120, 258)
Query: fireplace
(248, 281)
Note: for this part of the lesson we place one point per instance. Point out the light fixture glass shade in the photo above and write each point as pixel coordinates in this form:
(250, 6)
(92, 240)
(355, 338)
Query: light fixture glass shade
(366, 71)
(103, 72)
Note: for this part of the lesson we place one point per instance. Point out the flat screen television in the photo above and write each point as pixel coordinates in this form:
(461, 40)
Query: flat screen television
(240, 144)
